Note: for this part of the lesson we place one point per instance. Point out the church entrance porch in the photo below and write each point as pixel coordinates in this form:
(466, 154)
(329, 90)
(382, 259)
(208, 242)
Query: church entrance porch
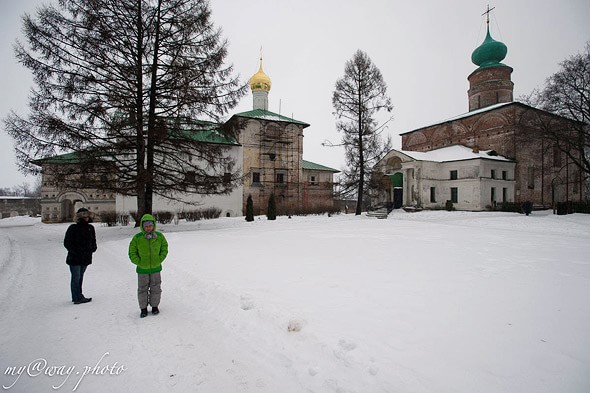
(390, 191)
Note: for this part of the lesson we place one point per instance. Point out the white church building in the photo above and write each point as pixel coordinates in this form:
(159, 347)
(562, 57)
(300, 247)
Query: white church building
(268, 149)
(470, 179)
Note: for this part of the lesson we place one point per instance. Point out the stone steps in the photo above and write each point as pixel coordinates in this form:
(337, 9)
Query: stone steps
(378, 213)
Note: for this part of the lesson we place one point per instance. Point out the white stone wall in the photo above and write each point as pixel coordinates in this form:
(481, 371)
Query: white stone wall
(230, 205)
(474, 182)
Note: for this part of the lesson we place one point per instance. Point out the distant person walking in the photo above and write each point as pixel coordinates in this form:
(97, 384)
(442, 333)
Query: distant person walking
(147, 250)
(80, 241)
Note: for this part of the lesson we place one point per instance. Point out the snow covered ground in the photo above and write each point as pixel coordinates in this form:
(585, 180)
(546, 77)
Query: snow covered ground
(431, 302)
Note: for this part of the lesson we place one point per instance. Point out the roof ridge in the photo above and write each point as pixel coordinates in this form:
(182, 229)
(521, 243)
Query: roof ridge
(264, 114)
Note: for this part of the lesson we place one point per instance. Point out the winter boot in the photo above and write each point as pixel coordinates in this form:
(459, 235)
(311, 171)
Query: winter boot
(155, 310)
(143, 313)
(83, 300)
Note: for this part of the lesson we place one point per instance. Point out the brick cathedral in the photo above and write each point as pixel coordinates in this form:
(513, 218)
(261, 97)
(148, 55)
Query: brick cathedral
(495, 122)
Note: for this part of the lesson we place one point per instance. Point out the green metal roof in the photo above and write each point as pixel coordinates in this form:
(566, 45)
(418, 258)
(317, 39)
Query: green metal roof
(208, 136)
(204, 131)
(200, 131)
(261, 114)
(67, 158)
(214, 136)
(317, 167)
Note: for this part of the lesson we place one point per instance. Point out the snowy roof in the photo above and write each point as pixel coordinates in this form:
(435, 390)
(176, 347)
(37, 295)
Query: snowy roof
(467, 114)
(453, 153)
(13, 197)
(477, 111)
(261, 114)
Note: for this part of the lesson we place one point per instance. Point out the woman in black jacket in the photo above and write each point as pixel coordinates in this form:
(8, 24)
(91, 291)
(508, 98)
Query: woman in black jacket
(80, 241)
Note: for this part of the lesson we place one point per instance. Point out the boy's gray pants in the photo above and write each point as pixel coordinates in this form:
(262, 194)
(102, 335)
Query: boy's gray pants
(149, 289)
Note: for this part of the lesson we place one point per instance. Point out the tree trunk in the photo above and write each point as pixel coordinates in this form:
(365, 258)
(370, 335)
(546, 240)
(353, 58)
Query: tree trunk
(140, 141)
(359, 198)
(149, 186)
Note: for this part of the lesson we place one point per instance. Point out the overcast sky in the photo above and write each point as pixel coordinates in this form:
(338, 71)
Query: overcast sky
(423, 49)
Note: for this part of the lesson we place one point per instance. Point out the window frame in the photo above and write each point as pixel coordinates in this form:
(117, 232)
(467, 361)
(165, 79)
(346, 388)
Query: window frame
(256, 176)
(455, 194)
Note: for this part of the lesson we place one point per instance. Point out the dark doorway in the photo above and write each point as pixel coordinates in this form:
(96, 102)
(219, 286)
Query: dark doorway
(398, 197)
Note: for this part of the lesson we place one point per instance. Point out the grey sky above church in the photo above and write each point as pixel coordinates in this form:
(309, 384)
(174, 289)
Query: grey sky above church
(422, 48)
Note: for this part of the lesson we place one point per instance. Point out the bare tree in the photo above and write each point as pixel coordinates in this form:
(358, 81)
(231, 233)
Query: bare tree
(22, 190)
(359, 95)
(121, 83)
(567, 93)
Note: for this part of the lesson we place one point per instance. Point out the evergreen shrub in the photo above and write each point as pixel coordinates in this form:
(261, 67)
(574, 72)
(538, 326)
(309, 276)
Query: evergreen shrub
(249, 209)
(271, 213)
(163, 217)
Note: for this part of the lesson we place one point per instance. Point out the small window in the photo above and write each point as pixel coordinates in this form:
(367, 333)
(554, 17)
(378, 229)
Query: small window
(454, 175)
(454, 195)
(280, 178)
(432, 194)
(504, 194)
(493, 193)
(255, 177)
(556, 156)
(531, 178)
(493, 174)
(313, 180)
(504, 175)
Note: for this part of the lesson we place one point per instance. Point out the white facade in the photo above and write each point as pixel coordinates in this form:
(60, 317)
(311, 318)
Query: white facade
(470, 180)
(230, 205)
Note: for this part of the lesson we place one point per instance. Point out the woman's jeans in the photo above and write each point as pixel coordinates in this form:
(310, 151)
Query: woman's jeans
(76, 283)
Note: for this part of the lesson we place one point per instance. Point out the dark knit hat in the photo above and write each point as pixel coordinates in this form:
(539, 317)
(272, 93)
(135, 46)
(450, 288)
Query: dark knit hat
(83, 212)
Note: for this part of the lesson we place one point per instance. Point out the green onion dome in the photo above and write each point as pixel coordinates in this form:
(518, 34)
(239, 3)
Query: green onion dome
(490, 53)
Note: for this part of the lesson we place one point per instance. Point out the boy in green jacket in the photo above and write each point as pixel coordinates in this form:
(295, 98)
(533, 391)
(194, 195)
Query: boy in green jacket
(147, 250)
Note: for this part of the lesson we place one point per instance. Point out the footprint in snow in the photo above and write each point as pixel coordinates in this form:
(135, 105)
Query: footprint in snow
(246, 303)
(345, 345)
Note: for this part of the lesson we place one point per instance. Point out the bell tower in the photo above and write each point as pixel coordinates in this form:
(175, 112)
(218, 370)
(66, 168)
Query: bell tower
(490, 83)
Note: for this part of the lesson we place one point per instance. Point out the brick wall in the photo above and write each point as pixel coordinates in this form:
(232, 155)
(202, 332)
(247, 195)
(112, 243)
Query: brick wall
(513, 131)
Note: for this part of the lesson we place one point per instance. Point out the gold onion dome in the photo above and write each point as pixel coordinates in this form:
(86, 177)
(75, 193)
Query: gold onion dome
(260, 81)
